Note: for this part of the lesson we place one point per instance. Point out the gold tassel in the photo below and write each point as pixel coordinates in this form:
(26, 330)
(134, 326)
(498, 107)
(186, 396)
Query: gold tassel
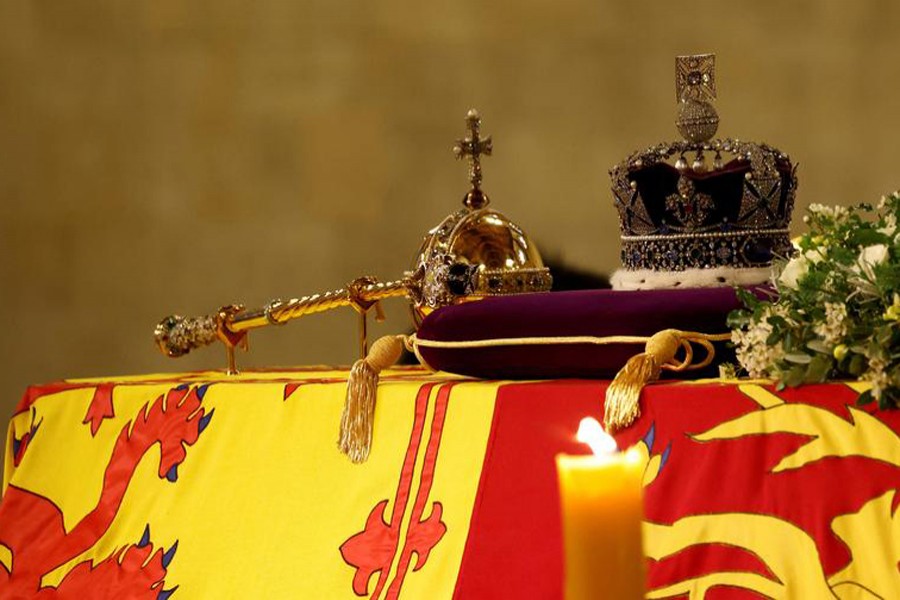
(623, 394)
(358, 417)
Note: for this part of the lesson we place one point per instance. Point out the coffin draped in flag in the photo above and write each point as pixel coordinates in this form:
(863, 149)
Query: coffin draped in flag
(203, 485)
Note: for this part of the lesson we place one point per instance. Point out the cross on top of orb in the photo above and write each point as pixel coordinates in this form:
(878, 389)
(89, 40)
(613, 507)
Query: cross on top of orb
(472, 147)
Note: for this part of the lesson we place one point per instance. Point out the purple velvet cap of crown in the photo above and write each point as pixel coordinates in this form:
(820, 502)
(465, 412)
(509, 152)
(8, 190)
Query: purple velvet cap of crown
(598, 313)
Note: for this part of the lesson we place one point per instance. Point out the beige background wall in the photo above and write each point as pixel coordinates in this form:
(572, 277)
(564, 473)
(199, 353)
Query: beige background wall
(173, 155)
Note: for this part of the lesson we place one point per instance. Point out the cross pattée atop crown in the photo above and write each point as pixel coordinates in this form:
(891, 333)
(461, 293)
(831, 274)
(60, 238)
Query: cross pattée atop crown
(702, 204)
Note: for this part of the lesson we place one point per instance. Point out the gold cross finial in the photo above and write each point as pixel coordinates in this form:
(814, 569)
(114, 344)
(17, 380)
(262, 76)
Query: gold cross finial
(472, 147)
(695, 77)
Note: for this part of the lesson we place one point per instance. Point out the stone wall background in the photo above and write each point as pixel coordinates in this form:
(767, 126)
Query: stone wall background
(162, 155)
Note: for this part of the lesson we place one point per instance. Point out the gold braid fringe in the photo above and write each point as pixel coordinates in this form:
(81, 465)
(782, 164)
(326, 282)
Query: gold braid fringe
(358, 416)
(622, 404)
(623, 395)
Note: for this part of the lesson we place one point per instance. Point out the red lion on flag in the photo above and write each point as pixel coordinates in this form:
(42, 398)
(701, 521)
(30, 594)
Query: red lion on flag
(32, 526)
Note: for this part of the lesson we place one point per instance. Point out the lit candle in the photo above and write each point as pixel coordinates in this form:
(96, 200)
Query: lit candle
(600, 497)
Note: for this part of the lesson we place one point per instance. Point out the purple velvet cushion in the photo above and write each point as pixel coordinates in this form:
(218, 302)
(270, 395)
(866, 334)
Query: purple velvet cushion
(596, 313)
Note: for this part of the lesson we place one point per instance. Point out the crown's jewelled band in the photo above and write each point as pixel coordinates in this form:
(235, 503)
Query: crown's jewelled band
(713, 234)
(741, 249)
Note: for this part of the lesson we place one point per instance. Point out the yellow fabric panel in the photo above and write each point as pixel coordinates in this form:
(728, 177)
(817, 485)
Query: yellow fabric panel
(65, 463)
(465, 437)
(264, 476)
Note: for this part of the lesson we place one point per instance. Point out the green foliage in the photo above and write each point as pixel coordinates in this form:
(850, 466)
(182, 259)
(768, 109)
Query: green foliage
(837, 310)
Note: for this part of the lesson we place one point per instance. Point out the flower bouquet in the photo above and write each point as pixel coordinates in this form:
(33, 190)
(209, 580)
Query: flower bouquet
(834, 312)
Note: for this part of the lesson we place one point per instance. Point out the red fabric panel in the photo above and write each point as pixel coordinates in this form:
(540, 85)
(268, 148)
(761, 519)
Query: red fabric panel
(734, 476)
(514, 548)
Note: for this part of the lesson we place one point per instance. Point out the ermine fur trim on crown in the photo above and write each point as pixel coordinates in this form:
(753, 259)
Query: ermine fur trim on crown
(647, 279)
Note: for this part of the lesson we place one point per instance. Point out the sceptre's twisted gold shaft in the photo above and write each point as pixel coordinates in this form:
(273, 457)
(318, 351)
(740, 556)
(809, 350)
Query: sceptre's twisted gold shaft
(176, 335)
(278, 311)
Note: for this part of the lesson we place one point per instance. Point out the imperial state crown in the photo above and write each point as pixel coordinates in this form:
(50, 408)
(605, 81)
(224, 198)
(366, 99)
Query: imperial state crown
(701, 212)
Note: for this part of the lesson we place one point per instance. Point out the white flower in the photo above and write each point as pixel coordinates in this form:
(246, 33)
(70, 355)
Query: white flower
(884, 199)
(818, 208)
(890, 225)
(815, 255)
(834, 329)
(877, 376)
(753, 352)
(836, 213)
(795, 270)
(869, 258)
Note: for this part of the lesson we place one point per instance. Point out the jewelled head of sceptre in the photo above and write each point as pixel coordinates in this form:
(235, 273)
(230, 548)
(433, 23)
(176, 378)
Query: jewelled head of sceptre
(476, 251)
(701, 212)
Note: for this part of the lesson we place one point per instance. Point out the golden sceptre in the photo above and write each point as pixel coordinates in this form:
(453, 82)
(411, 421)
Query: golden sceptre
(176, 335)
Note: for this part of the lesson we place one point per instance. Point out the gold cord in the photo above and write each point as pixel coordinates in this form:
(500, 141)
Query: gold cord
(531, 341)
(622, 396)
(622, 405)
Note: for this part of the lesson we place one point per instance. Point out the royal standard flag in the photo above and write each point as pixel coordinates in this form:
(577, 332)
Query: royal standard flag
(211, 486)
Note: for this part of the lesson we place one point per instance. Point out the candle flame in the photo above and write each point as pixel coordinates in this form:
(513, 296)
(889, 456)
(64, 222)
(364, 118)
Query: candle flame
(590, 432)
